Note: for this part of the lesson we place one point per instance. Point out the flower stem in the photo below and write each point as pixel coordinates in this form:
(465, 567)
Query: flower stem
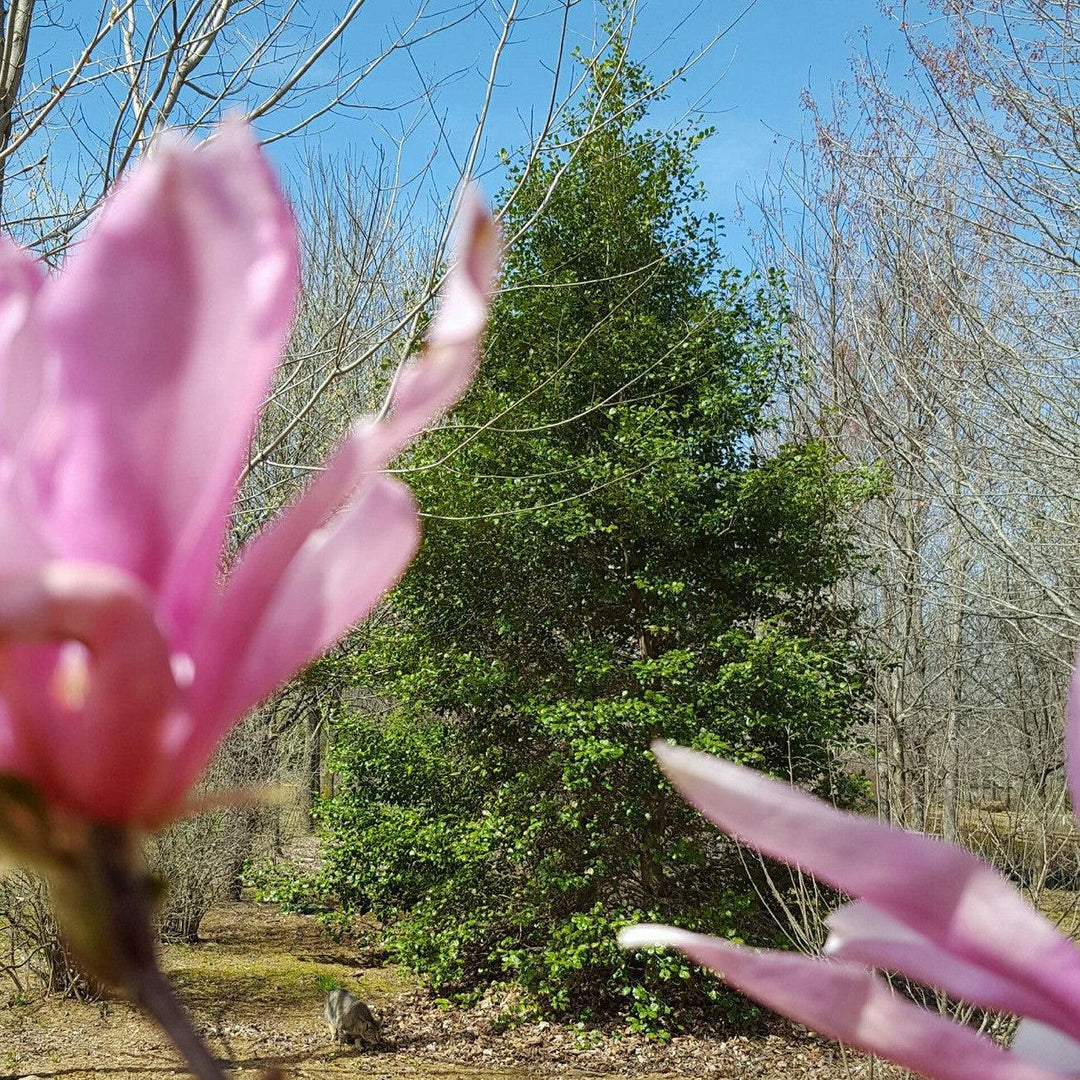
(156, 996)
(127, 890)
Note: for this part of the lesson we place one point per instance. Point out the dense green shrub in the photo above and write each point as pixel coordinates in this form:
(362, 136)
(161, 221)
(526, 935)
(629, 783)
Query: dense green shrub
(609, 558)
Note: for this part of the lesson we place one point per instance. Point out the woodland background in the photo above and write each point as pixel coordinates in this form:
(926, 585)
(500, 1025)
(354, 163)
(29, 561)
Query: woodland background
(820, 516)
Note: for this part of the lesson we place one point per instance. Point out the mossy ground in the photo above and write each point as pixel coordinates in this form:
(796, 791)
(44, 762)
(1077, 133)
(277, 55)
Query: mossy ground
(254, 985)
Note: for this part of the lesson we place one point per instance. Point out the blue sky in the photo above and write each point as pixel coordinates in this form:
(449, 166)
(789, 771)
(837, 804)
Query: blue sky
(749, 86)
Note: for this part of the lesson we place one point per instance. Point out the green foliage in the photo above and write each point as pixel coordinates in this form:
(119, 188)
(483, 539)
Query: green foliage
(608, 560)
(272, 882)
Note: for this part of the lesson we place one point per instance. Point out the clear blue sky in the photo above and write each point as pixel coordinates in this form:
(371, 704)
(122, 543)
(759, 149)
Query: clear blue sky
(749, 86)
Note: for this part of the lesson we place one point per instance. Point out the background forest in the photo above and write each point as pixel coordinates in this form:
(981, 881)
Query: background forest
(819, 517)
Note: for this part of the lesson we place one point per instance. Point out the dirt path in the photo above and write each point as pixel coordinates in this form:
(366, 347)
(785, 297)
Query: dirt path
(253, 986)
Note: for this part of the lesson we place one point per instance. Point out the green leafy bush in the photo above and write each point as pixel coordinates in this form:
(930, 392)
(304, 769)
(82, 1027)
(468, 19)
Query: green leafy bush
(273, 882)
(608, 559)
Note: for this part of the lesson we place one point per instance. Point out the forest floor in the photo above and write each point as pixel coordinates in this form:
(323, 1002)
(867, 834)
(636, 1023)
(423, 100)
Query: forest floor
(253, 984)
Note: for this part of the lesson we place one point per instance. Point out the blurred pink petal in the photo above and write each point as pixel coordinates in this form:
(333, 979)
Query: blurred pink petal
(847, 1003)
(13, 759)
(326, 590)
(167, 323)
(929, 911)
(1047, 1047)
(424, 390)
(425, 387)
(22, 374)
(333, 582)
(1072, 738)
(91, 725)
(946, 894)
(132, 382)
(859, 933)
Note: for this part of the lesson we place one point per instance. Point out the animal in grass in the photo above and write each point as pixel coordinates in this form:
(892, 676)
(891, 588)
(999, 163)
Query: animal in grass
(350, 1020)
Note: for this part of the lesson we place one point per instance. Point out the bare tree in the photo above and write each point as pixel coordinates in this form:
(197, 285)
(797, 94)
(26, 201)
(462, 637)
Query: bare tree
(85, 87)
(928, 234)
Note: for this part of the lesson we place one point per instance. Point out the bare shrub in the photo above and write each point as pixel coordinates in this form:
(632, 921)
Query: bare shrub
(32, 953)
(253, 799)
(194, 859)
(199, 859)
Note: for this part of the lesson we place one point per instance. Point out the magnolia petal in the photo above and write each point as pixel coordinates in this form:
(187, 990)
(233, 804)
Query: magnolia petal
(946, 894)
(167, 323)
(1046, 1046)
(848, 1003)
(252, 584)
(1072, 738)
(23, 378)
(334, 581)
(86, 715)
(862, 934)
(13, 759)
(22, 372)
(427, 385)
(22, 546)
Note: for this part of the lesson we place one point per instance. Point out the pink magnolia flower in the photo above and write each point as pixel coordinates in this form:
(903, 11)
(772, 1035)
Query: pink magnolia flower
(925, 909)
(130, 384)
